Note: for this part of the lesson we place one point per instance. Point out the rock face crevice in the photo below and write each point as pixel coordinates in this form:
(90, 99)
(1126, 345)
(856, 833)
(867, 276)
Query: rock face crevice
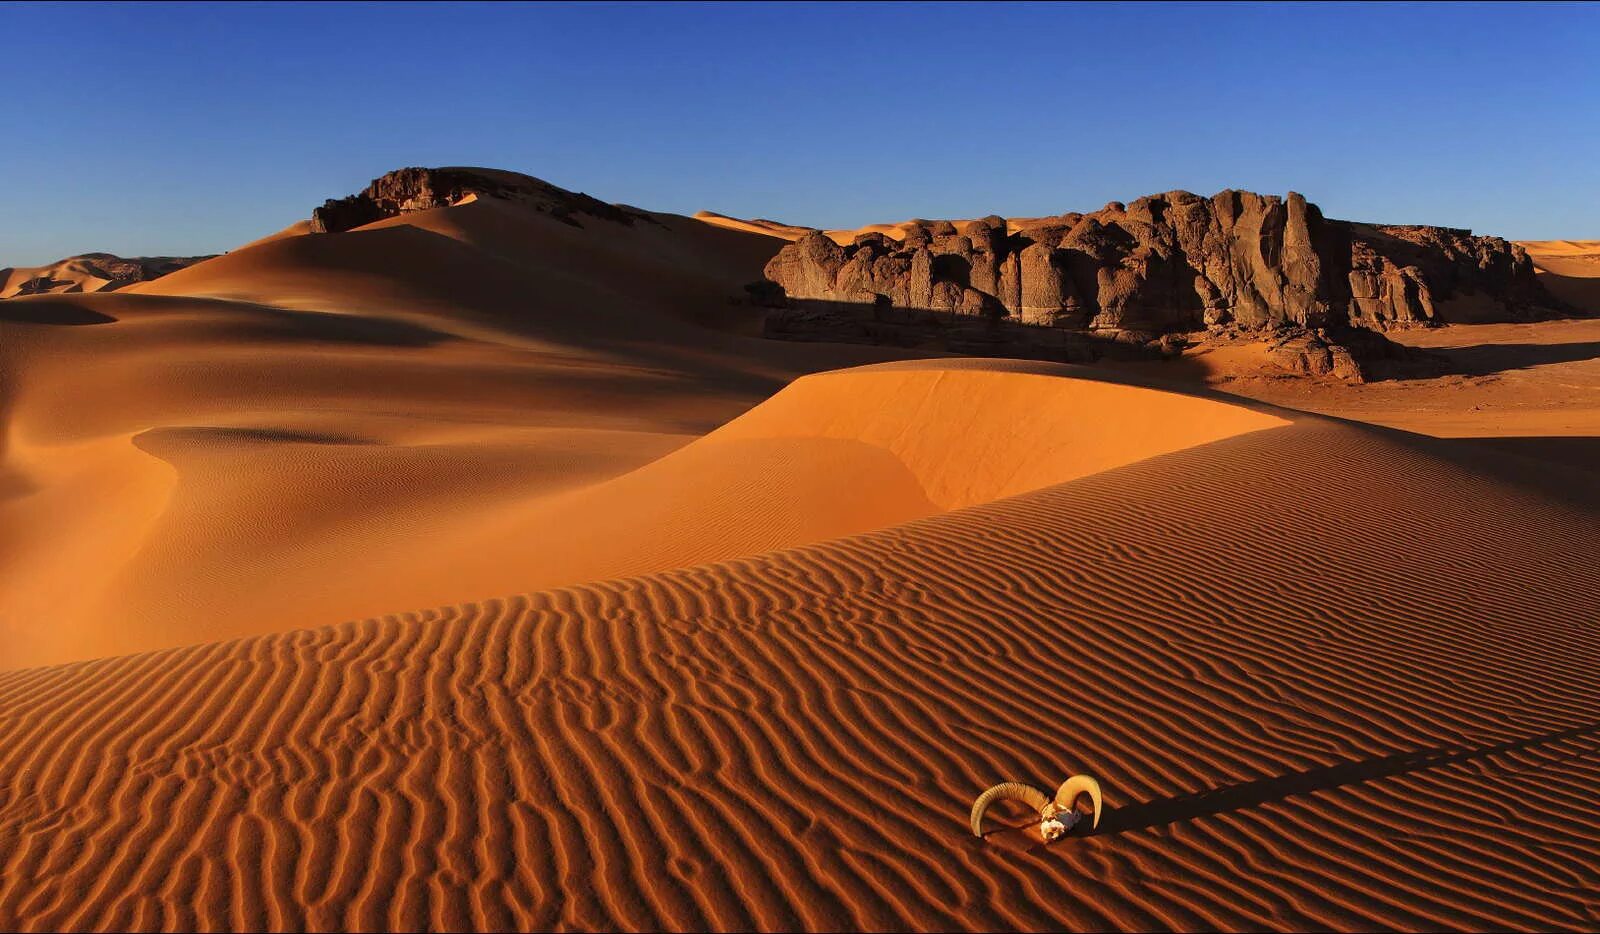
(1176, 262)
(419, 189)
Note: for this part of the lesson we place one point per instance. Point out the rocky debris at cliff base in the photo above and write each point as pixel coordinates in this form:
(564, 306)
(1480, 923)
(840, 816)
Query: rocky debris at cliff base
(420, 189)
(1309, 354)
(1350, 354)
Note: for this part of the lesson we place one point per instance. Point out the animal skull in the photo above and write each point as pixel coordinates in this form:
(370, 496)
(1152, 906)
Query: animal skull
(1056, 817)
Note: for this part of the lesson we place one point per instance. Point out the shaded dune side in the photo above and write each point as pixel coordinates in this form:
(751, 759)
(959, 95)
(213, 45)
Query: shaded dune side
(494, 264)
(1304, 662)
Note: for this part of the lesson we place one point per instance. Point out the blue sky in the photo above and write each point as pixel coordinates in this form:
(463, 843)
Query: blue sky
(195, 128)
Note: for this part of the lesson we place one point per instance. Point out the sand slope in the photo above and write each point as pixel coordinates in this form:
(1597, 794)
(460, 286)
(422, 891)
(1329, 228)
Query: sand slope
(1570, 269)
(320, 428)
(1330, 676)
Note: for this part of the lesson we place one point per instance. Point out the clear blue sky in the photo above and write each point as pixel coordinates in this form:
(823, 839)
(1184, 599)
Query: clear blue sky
(144, 129)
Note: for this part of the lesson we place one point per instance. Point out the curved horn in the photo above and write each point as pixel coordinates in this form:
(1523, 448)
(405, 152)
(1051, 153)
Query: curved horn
(1067, 794)
(1015, 791)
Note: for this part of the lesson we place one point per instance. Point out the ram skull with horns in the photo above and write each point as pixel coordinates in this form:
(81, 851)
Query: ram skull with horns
(1055, 817)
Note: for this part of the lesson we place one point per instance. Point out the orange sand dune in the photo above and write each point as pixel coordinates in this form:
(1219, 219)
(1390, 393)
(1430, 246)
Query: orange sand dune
(1570, 269)
(756, 226)
(1330, 677)
(90, 272)
(1544, 249)
(326, 427)
(792, 232)
(68, 275)
(727, 632)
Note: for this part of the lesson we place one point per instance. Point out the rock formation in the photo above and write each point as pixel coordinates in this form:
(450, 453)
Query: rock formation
(419, 189)
(1402, 275)
(1174, 263)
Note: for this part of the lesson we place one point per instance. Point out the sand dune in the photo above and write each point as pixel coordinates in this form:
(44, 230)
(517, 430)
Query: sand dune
(90, 272)
(1544, 249)
(793, 232)
(791, 740)
(1570, 269)
(324, 427)
(726, 633)
(756, 226)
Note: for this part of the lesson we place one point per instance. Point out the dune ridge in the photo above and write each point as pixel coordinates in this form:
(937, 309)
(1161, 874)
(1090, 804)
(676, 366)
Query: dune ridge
(791, 740)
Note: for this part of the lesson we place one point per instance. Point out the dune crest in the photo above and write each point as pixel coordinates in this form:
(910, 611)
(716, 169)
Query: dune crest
(971, 430)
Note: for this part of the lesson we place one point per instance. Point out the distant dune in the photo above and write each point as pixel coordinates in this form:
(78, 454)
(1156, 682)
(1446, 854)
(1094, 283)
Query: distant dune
(1570, 269)
(90, 272)
(792, 232)
(480, 567)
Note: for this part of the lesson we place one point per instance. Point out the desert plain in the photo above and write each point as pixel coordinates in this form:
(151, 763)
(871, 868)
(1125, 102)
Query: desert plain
(479, 555)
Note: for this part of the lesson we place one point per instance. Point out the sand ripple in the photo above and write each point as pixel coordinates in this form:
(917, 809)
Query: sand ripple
(1308, 664)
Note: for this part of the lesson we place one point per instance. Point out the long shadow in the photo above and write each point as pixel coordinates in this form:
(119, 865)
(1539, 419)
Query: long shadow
(1252, 794)
(1582, 453)
(1489, 359)
(50, 310)
(351, 329)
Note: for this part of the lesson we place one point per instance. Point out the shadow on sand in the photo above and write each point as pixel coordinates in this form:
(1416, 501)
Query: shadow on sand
(50, 309)
(1576, 452)
(1262, 791)
(1489, 359)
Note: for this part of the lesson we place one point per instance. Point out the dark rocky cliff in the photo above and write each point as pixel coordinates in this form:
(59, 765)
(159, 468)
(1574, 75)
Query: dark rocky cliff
(1174, 263)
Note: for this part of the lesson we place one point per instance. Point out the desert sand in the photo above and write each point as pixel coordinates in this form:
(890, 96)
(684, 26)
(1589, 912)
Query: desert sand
(1570, 269)
(475, 570)
(90, 272)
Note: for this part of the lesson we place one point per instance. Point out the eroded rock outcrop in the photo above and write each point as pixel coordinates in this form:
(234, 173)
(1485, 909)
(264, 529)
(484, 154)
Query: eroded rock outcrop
(1173, 263)
(1401, 275)
(420, 189)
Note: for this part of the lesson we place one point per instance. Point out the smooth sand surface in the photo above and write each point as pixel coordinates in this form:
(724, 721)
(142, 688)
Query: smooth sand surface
(666, 626)
(1570, 269)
